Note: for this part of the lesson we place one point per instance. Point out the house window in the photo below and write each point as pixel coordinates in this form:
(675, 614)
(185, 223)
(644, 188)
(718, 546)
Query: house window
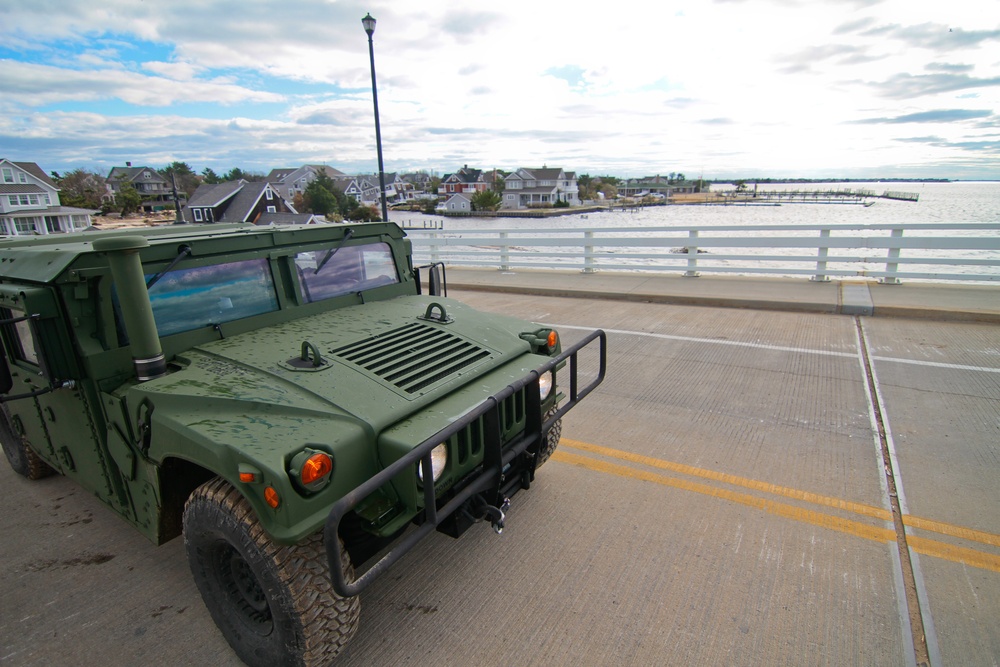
(24, 200)
(8, 175)
(146, 175)
(272, 209)
(197, 214)
(270, 195)
(24, 225)
(33, 199)
(12, 199)
(45, 198)
(23, 177)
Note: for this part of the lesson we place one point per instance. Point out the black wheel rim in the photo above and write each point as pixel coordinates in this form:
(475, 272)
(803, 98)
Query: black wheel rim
(243, 590)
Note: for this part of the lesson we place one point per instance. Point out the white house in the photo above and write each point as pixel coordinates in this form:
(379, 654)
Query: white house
(29, 203)
(530, 188)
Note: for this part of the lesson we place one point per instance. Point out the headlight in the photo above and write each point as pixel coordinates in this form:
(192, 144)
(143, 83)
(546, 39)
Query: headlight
(439, 457)
(545, 383)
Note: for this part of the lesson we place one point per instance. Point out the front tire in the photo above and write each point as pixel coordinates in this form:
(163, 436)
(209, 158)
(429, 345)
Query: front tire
(274, 604)
(21, 457)
(551, 440)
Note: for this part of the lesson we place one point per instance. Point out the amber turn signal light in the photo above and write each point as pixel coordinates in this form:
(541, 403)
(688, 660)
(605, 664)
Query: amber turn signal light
(271, 497)
(315, 468)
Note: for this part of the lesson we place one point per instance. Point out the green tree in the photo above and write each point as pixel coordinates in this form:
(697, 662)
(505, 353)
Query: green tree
(81, 188)
(209, 176)
(128, 200)
(487, 200)
(187, 180)
(363, 213)
(234, 174)
(320, 200)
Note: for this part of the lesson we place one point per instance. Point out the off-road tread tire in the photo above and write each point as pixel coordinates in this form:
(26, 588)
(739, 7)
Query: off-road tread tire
(20, 455)
(315, 621)
(551, 440)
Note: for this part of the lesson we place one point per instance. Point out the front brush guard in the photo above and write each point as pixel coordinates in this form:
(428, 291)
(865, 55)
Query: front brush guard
(496, 458)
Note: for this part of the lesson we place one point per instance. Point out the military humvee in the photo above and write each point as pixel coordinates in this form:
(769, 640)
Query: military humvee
(288, 399)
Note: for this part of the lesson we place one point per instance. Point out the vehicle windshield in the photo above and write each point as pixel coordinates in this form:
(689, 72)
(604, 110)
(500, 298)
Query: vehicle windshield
(187, 299)
(349, 269)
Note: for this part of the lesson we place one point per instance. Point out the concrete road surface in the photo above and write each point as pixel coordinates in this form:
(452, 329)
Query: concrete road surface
(724, 498)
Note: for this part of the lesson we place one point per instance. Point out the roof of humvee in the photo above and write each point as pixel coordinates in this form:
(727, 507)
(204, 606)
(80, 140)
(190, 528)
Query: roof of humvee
(42, 259)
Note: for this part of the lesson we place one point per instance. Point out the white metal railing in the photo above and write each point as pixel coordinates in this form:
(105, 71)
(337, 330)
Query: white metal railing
(963, 251)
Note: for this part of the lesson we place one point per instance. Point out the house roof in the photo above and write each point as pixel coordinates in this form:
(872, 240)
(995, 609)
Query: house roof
(545, 174)
(50, 210)
(278, 175)
(287, 218)
(244, 201)
(132, 173)
(20, 188)
(213, 195)
(464, 175)
(36, 171)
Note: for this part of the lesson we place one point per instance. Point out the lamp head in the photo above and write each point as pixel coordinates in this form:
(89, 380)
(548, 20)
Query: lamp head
(369, 23)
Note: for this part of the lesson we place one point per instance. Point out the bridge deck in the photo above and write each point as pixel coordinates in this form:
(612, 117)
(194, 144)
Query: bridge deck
(724, 498)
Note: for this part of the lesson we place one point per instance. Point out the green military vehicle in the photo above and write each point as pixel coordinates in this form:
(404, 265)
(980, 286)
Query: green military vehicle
(287, 398)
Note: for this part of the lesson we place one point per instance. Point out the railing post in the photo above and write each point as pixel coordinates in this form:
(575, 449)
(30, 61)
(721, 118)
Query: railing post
(692, 253)
(504, 253)
(588, 253)
(824, 251)
(434, 248)
(892, 267)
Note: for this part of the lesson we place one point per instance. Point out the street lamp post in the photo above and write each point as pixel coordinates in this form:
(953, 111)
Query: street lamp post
(369, 23)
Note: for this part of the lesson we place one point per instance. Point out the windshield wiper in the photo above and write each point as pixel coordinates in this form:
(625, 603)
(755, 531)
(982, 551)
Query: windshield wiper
(333, 251)
(182, 252)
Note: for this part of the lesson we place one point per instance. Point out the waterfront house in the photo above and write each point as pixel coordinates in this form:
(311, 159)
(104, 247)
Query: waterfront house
(464, 181)
(290, 182)
(157, 193)
(364, 189)
(537, 188)
(235, 201)
(397, 189)
(655, 185)
(29, 203)
(458, 204)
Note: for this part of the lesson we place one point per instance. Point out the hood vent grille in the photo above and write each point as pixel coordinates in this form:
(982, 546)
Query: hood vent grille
(413, 357)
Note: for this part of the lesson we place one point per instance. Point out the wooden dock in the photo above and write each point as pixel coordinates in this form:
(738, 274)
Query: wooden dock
(782, 197)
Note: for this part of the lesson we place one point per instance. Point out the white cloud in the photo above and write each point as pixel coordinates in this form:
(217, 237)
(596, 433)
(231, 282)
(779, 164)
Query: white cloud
(727, 87)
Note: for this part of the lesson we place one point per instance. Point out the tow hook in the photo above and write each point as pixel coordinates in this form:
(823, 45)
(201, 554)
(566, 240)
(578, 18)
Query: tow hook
(497, 515)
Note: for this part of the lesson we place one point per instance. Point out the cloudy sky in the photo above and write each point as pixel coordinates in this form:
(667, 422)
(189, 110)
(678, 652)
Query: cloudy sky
(723, 89)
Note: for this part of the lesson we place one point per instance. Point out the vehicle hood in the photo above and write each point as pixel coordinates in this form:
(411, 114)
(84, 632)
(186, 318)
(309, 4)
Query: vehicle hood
(378, 362)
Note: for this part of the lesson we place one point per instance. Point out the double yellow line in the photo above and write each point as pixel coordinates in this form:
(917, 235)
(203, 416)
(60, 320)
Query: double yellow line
(921, 545)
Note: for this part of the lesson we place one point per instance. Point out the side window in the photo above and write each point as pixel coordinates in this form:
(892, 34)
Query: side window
(186, 299)
(20, 342)
(27, 342)
(350, 269)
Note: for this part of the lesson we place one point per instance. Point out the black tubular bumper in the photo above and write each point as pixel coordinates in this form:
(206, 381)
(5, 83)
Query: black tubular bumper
(496, 457)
